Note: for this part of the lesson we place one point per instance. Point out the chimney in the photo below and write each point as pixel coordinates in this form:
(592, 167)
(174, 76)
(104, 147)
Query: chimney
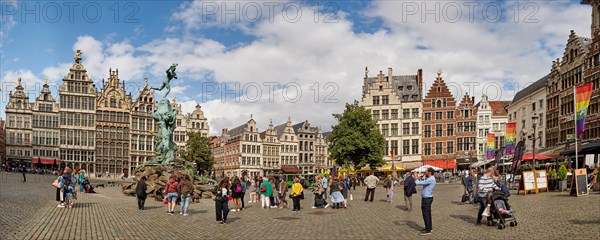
(420, 79)
(224, 131)
(389, 73)
(473, 99)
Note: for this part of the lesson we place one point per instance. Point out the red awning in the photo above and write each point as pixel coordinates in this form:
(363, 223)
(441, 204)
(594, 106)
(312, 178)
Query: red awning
(529, 157)
(445, 164)
(45, 161)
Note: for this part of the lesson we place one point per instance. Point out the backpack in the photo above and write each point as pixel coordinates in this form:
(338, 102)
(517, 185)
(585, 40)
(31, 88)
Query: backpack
(185, 188)
(238, 188)
(243, 186)
(387, 183)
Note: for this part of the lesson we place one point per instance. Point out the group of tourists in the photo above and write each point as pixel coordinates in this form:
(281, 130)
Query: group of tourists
(66, 186)
(176, 189)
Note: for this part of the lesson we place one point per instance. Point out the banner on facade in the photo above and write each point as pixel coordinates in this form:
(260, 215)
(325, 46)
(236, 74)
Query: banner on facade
(511, 137)
(582, 101)
(490, 146)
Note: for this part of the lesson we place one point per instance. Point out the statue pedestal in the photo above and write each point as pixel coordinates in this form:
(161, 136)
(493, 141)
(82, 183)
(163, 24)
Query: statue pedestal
(157, 177)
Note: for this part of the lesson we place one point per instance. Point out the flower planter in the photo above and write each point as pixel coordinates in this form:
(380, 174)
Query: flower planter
(562, 185)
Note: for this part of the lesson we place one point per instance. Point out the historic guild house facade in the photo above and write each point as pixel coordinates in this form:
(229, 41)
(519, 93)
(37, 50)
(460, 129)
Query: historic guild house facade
(106, 131)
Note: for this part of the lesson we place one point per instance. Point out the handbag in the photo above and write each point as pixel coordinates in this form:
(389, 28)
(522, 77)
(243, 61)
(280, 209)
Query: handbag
(263, 189)
(56, 183)
(486, 212)
(229, 198)
(165, 201)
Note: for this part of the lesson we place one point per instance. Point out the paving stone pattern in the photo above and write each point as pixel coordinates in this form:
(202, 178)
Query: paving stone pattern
(29, 212)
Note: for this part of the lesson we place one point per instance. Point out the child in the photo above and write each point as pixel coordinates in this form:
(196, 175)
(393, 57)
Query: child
(69, 193)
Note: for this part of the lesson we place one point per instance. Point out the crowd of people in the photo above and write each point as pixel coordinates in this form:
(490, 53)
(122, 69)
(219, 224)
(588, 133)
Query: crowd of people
(66, 186)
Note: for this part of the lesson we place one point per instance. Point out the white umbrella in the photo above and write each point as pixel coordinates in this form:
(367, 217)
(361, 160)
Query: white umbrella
(425, 167)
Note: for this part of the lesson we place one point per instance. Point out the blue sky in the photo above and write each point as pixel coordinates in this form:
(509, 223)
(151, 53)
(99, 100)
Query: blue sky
(325, 59)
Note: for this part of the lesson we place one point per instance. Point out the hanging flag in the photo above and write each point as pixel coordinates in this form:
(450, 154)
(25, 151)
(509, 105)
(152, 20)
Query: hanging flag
(519, 149)
(490, 146)
(511, 137)
(582, 101)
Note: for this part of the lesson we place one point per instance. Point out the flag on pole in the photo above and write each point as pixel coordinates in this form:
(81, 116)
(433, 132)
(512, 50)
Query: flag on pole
(582, 101)
(511, 133)
(490, 146)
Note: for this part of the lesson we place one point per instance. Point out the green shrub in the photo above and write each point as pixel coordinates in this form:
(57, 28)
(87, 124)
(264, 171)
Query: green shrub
(552, 173)
(562, 172)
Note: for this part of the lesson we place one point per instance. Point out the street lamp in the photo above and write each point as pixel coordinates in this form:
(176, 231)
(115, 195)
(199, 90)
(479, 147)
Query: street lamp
(534, 119)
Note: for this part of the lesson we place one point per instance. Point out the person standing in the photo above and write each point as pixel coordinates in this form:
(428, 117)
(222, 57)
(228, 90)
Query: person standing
(283, 188)
(253, 188)
(325, 186)
(265, 194)
(297, 193)
(221, 206)
(388, 184)
(244, 183)
(410, 188)
(185, 190)
(427, 199)
(345, 190)
(171, 193)
(81, 180)
(236, 191)
(485, 184)
(140, 192)
(335, 190)
(371, 183)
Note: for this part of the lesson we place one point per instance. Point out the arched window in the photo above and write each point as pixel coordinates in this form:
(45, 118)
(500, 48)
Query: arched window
(439, 103)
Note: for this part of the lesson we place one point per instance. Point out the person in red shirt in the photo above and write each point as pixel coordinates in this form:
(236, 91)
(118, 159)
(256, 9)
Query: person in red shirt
(171, 193)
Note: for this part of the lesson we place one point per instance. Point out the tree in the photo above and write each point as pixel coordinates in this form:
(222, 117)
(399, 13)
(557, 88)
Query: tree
(355, 139)
(197, 150)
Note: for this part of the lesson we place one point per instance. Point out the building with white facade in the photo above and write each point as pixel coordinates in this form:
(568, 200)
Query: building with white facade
(491, 116)
(529, 102)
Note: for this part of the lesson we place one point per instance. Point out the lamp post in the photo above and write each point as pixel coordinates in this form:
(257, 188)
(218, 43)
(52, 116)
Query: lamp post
(534, 119)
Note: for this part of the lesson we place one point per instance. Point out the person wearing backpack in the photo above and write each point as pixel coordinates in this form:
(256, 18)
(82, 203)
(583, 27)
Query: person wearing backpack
(236, 192)
(185, 190)
(388, 184)
(410, 188)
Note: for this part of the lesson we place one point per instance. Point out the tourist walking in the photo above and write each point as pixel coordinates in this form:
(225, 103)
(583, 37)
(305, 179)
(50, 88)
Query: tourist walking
(335, 190)
(24, 171)
(273, 193)
(283, 188)
(428, 184)
(297, 194)
(185, 190)
(325, 186)
(81, 180)
(253, 188)
(388, 184)
(69, 191)
(318, 192)
(140, 192)
(410, 188)
(266, 190)
(60, 184)
(485, 185)
(221, 202)
(236, 192)
(275, 186)
(371, 183)
(171, 194)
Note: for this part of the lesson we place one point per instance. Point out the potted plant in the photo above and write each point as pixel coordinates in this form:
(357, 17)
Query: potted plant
(562, 175)
(552, 180)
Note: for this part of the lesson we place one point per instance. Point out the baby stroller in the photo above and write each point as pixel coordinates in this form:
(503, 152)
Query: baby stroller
(500, 211)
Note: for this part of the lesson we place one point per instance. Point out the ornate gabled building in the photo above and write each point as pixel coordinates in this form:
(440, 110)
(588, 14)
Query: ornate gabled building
(566, 73)
(591, 74)
(466, 130)
(18, 126)
(142, 127)
(45, 128)
(288, 154)
(197, 122)
(191, 122)
(113, 121)
(491, 117)
(307, 146)
(396, 103)
(180, 134)
(237, 152)
(77, 95)
(439, 125)
(322, 160)
(271, 162)
(2, 140)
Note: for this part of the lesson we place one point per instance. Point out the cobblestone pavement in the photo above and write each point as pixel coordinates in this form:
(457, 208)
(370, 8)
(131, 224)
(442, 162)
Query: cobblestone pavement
(29, 212)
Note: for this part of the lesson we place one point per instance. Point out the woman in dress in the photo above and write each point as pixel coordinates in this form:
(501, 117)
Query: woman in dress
(236, 192)
(345, 190)
(335, 191)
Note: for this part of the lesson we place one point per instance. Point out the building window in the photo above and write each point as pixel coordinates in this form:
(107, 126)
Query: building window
(376, 114)
(384, 114)
(405, 147)
(427, 131)
(438, 130)
(375, 100)
(415, 113)
(427, 149)
(450, 129)
(394, 129)
(394, 113)
(415, 146)
(450, 147)
(427, 116)
(450, 115)
(405, 129)
(385, 99)
(438, 148)
(405, 113)
(438, 115)
(395, 147)
(384, 130)
(415, 128)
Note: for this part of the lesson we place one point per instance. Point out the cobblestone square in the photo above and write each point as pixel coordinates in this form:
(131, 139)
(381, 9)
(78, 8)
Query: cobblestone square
(29, 212)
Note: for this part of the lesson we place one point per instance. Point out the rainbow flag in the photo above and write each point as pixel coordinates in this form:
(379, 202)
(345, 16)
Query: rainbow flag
(582, 101)
(490, 146)
(510, 137)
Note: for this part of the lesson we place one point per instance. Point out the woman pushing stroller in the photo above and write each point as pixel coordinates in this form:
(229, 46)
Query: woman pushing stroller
(485, 185)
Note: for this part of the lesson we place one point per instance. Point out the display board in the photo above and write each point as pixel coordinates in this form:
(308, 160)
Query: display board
(541, 180)
(579, 183)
